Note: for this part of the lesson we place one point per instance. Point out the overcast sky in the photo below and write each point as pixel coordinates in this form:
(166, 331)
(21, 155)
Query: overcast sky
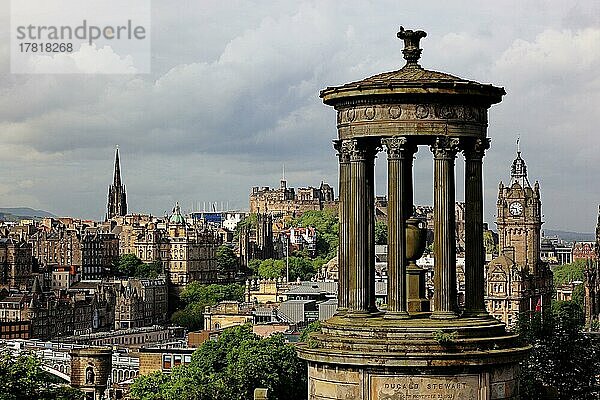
(233, 95)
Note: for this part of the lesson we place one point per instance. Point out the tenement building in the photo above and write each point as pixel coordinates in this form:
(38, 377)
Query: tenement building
(15, 263)
(412, 349)
(84, 249)
(140, 302)
(518, 281)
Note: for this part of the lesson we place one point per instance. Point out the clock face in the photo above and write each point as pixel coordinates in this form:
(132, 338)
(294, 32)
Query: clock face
(516, 208)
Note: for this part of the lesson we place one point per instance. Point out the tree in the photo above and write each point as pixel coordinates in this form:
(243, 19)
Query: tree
(226, 258)
(326, 223)
(302, 268)
(248, 222)
(230, 368)
(253, 266)
(197, 296)
(562, 358)
(127, 264)
(567, 274)
(271, 269)
(380, 232)
(22, 377)
(130, 265)
(314, 326)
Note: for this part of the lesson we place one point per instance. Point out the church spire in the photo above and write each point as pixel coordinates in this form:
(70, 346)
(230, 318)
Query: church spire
(117, 198)
(117, 174)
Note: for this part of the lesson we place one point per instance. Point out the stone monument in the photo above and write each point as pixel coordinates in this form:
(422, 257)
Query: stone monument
(90, 369)
(412, 350)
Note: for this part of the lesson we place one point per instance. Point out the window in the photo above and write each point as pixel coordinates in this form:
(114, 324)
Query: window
(167, 361)
(176, 360)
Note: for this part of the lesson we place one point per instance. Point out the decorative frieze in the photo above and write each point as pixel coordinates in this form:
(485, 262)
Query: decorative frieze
(407, 112)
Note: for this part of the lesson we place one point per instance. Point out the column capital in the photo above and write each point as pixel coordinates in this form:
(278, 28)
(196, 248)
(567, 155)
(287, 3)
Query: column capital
(343, 150)
(361, 150)
(398, 147)
(475, 149)
(445, 147)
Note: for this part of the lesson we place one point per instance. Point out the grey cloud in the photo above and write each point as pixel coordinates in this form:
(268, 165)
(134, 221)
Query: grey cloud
(234, 95)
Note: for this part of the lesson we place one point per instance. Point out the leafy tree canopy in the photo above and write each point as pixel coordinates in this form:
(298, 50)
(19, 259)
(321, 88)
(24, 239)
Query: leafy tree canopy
(23, 378)
(314, 326)
(562, 358)
(300, 267)
(197, 296)
(271, 269)
(130, 265)
(230, 368)
(380, 232)
(226, 258)
(568, 273)
(326, 223)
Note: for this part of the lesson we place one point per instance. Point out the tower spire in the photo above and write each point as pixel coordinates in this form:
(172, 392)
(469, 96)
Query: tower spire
(117, 174)
(117, 198)
(518, 171)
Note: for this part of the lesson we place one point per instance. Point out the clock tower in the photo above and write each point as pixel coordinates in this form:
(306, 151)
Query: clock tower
(518, 281)
(519, 218)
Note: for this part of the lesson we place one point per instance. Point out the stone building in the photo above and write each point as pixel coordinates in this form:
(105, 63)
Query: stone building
(592, 284)
(257, 242)
(117, 197)
(584, 251)
(227, 314)
(518, 280)
(62, 277)
(16, 264)
(47, 314)
(187, 252)
(84, 248)
(288, 202)
(56, 245)
(140, 302)
(99, 250)
(190, 252)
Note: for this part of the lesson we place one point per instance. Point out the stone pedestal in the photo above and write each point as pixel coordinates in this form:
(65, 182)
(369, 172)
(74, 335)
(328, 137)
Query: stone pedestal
(417, 358)
(417, 299)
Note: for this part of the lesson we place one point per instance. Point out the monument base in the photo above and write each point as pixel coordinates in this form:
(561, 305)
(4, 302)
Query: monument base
(420, 358)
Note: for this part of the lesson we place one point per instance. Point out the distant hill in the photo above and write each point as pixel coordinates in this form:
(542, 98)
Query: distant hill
(570, 236)
(16, 213)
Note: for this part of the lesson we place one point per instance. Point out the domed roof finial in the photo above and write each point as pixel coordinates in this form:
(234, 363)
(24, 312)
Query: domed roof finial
(412, 51)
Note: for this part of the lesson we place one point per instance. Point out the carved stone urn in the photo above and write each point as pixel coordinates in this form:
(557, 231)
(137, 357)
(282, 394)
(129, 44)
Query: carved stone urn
(416, 240)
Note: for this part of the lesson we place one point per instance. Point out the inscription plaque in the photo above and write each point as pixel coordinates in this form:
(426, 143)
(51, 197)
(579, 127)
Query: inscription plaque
(405, 387)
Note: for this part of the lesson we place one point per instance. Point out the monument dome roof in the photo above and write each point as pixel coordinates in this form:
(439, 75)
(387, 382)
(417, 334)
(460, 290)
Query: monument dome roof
(412, 79)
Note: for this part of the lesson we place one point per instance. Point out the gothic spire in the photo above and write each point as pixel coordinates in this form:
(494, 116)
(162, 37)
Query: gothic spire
(117, 198)
(117, 174)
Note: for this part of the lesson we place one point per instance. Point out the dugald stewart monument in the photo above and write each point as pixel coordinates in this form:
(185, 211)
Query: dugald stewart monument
(413, 349)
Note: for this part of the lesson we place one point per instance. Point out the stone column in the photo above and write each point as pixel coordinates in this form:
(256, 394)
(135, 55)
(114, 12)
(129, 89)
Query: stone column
(444, 298)
(343, 148)
(474, 249)
(399, 160)
(361, 228)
